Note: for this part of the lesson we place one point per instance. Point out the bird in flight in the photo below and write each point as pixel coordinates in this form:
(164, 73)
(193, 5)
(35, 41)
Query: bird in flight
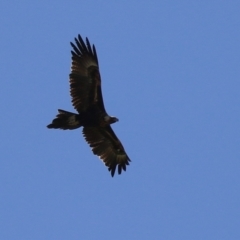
(86, 93)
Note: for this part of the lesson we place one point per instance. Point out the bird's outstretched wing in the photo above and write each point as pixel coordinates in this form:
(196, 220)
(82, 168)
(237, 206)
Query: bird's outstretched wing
(85, 79)
(106, 145)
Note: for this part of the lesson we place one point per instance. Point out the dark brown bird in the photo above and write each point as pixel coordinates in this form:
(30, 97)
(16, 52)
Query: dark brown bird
(86, 93)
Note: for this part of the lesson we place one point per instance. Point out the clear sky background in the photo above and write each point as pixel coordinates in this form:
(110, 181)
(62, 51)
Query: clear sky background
(171, 74)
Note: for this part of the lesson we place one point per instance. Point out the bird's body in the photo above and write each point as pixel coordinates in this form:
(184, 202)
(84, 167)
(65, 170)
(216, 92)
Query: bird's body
(85, 90)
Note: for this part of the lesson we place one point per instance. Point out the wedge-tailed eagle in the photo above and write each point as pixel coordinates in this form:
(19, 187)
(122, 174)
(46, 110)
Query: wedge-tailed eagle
(85, 90)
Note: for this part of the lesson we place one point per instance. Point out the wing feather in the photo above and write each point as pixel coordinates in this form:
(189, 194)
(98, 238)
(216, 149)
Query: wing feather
(85, 79)
(106, 145)
(89, 46)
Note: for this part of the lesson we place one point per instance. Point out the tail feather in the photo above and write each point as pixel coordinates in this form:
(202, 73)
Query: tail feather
(65, 120)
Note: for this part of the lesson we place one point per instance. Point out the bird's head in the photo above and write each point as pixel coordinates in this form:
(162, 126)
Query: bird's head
(110, 120)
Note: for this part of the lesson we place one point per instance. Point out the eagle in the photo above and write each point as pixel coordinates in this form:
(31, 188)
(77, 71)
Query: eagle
(86, 94)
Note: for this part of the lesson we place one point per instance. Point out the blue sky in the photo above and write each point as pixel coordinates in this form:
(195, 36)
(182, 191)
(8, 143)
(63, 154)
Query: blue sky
(170, 72)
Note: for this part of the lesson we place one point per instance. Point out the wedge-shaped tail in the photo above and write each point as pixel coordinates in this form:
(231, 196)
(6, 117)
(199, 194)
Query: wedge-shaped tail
(65, 120)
